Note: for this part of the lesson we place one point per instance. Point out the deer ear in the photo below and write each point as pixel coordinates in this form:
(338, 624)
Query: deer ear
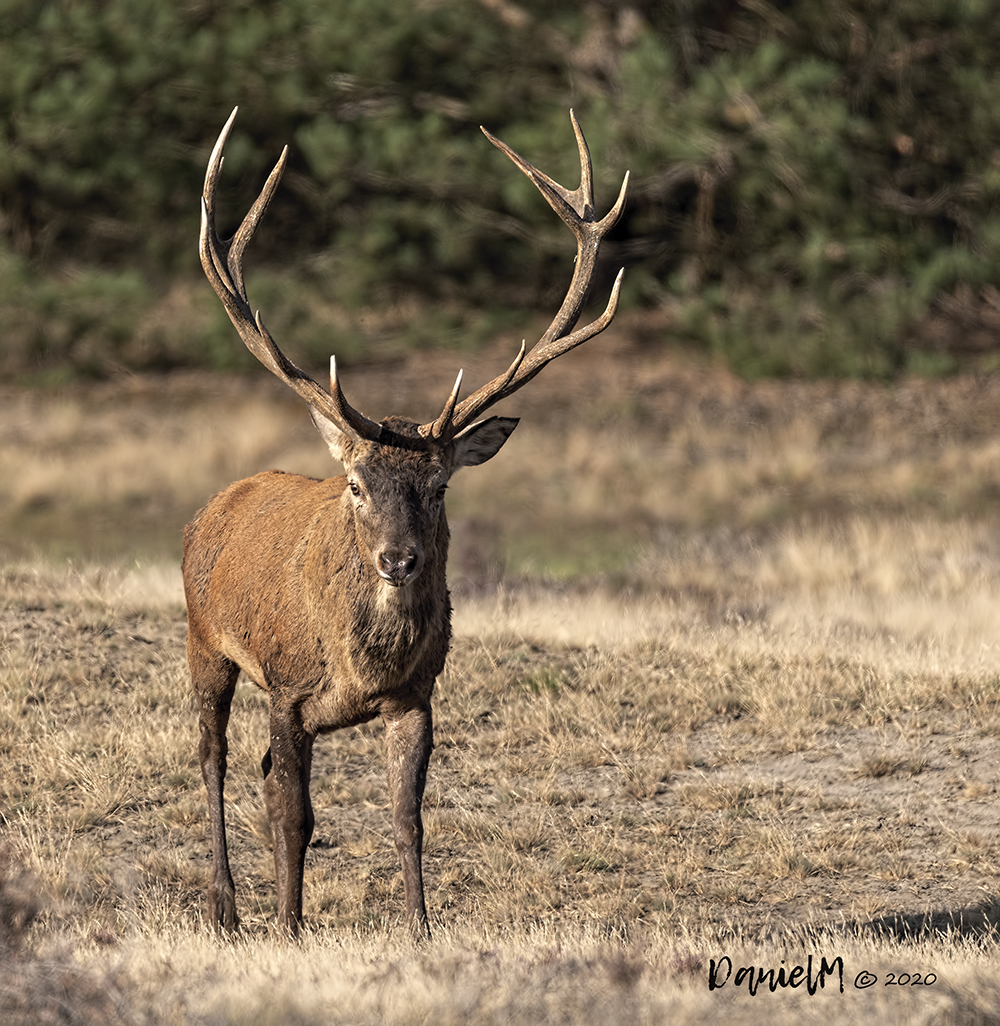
(338, 442)
(480, 442)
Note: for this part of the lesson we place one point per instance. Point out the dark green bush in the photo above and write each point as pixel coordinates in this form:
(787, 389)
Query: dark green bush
(815, 184)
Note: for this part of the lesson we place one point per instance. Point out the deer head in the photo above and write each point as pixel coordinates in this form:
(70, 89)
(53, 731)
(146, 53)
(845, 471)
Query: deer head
(396, 485)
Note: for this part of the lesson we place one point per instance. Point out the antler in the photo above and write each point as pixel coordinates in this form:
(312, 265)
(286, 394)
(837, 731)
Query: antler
(576, 208)
(223, 264)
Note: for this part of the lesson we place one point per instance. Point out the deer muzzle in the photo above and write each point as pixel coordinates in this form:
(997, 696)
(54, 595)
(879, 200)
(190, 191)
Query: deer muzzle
(399, 566)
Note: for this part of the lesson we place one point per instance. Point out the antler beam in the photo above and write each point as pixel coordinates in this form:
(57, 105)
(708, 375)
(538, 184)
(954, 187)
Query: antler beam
(223, 264)
(576, 208)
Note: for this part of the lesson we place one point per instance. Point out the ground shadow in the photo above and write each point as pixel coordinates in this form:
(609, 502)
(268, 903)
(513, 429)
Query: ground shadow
(976, 921)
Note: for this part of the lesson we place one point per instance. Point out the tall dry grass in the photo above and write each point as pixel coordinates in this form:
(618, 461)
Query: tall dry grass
(724, 683)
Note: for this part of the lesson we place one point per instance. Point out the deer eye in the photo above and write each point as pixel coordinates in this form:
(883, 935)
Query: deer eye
(353, 485)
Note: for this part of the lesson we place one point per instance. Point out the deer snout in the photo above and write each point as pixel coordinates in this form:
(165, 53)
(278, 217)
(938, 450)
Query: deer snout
(399, 567)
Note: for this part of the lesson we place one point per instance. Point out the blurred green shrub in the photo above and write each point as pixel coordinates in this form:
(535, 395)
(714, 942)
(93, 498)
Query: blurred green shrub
(815, 184)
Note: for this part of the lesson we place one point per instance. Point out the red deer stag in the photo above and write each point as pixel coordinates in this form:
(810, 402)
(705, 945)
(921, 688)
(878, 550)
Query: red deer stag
(331, 595)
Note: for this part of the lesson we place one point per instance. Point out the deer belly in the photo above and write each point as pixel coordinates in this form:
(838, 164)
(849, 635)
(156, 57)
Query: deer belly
(335, 706)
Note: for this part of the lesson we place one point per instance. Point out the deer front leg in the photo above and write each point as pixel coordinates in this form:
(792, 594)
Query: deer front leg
(289, 809)
(214, 682)
(409, 740)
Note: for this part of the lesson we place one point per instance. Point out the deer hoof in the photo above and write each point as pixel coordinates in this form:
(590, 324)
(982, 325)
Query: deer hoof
(222, 911)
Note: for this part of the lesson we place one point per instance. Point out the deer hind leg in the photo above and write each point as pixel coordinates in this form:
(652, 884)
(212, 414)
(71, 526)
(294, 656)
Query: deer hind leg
(214, 679)
(287, 765)
(409, 740)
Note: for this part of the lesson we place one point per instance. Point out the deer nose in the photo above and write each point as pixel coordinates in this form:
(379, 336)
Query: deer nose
(397, 567)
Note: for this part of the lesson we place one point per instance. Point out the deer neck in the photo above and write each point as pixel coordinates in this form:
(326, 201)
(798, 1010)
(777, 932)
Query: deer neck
(398, 632)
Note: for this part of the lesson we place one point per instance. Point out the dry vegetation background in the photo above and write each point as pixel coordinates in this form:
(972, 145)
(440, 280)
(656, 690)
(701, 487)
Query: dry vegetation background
(725, 682)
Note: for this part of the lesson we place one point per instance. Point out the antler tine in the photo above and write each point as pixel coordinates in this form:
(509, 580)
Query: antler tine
(342, 412)
(576, 208)
(223, 265)
(441, 428)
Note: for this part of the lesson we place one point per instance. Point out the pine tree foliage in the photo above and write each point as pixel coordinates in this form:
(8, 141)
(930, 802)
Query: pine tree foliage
(815, 183)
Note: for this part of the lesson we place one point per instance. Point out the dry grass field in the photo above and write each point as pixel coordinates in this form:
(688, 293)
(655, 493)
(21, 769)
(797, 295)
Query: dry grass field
(725, 692)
